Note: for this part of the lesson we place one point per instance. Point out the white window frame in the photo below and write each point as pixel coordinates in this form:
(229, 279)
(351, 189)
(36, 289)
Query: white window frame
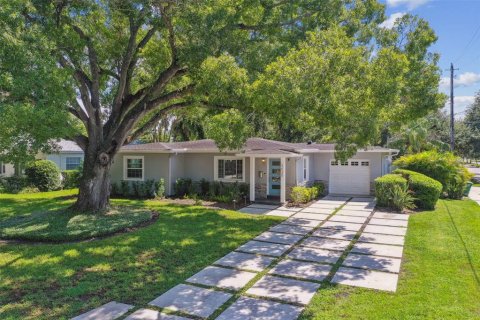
(215, 168)
(125, 177)
(306, 169)
(72, 157)
(2, 168)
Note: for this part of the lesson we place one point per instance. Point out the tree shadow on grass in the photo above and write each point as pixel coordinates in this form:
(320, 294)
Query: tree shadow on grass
(59, 281)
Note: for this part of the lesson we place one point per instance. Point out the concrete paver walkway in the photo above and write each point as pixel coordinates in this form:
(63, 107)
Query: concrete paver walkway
(278, 272)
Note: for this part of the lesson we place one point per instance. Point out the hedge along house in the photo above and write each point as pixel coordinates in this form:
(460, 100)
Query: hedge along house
(271, 168)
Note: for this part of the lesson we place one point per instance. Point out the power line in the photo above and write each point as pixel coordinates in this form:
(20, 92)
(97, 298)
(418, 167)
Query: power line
(468, 44)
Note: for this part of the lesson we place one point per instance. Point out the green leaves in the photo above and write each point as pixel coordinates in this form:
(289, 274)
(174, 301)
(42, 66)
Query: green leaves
(229, 129)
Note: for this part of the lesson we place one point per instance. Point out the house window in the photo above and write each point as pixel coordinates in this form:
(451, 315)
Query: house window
(2, 168)
(365, 163)
(229, 169)
(333, 163)
(344, 163)
(354, 163)
(305, 169)
(73, 163)
(134, 167)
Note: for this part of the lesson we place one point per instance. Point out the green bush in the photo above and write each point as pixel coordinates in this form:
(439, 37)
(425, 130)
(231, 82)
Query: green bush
(443, 167)
(71, 178)
(204, 187)
(426, 190)
(402, 198)
(44, 175)
(182, 187)
(14, 184)
(160, 188)
(384, 186)
(300, 194)
(320, 188)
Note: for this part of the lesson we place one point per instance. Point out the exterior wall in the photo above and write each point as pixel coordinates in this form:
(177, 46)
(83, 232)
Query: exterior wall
(60, 159)
(9, 170)
(176, 170)
(156, 166)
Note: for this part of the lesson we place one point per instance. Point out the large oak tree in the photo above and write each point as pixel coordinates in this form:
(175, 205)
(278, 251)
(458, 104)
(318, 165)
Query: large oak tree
(129, 63)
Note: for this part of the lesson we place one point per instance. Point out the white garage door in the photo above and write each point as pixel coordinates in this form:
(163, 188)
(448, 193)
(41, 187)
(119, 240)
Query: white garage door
(349, 177)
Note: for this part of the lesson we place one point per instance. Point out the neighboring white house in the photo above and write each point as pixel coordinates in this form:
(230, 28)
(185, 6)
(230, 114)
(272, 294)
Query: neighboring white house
(6, 169)
(69, 156)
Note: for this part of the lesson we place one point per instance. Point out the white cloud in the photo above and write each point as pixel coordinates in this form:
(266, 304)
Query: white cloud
(464, 80)
(410, 4)
(390, 22)
(460, 103)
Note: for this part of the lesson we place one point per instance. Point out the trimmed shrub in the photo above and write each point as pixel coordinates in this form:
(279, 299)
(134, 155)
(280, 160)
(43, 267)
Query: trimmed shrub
(182, 187)
(300, 195)
(443, 167)
(44, 175)
(204, 187)
(426, 190)
(71, 179)
(384, 186)
(14, 184)
(160, 188)
(320, 188)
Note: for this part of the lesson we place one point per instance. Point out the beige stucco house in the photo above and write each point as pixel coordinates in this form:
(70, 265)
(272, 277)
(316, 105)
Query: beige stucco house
(271, 168)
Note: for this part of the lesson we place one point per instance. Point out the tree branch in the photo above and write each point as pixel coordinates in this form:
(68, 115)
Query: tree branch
(82, 141)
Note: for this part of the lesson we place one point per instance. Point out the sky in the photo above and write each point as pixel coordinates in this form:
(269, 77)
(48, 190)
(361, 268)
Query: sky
(457, 25)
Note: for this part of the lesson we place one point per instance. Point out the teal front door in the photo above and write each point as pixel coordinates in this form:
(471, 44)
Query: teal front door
(274, 177)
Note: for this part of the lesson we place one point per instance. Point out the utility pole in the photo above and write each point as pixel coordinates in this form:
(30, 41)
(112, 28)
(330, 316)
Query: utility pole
(452, 114)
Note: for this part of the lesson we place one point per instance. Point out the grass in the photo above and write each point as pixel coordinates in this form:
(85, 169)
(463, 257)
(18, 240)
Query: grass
(65, 225)
(439, 277)
(58, 281)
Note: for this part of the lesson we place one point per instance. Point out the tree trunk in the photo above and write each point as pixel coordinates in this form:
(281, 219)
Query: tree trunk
(94, 190)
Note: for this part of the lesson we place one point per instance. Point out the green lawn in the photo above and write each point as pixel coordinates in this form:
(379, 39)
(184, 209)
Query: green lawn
(439, 277)
(51, 281)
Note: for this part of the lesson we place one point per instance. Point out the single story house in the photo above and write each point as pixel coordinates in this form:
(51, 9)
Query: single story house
(68, 157)
(271, 168)
(6, 169)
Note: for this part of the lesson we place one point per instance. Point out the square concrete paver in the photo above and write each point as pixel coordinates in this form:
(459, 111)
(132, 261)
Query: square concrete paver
(335, 234)
(280, 213)
(354, 213)
(378, 249)
(337, 202)
(389, 222)
(381, 238)
(288, 290)
(318, 210)
(335, 198)
(263, 206)
(222, 278)
(283, 238)
(302, 222)
(269, 249)
(192, 300)
(301, 269)
(326, 243)
(311, 216)
(147, 314)
(373, 262)
(362, 199)
(331, 206)
(293, 209)
(315, 255)
(253, 210)
(246, 261)
(358, 207)
(342, 225)
(351, 219)
(108, 311)
(366, 279)
(388, 215)
(395, 231)
(246, 308)
(288, 228)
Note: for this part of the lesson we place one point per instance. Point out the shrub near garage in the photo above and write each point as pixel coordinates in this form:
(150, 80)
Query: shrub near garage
(443, 167)
(384, 186)
(426, 190)
(44, 175)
